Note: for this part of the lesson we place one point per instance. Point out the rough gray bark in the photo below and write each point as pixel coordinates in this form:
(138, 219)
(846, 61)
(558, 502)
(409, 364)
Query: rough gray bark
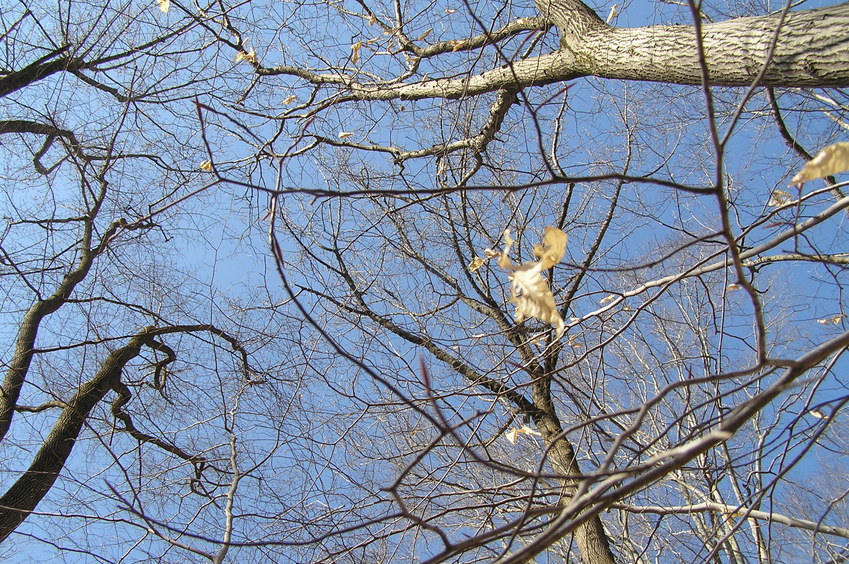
(29, 489)
(25, 342)
(812, 50)
(590, 537)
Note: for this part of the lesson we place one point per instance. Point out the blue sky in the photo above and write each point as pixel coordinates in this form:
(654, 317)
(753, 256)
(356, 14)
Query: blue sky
(311, 435)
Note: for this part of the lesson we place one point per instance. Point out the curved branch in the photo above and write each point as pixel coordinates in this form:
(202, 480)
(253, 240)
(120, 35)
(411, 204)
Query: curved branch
(25, 341)
(50, 131)
(478, 143)
(812, 51)
(30, 488)
(791, 142)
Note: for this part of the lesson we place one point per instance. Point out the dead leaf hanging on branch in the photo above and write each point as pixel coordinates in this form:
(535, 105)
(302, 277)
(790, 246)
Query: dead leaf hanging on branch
(249, 56)
(478, 262)
(831, 160)
(355, 52)
(529, 290)
(513, 433)
(831, 320)
(779, 198)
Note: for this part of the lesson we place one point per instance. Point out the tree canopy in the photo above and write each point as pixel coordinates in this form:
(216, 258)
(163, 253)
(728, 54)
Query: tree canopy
(356, 281)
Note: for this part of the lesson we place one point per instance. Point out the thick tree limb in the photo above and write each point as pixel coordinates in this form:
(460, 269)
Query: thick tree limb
(55, 61)
(28, 490)
(18, 365)
(31, 487)
(812, 51)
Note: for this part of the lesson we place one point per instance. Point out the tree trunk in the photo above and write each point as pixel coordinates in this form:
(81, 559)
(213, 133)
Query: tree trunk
(591, 538)
(28, 490)
(25, 341)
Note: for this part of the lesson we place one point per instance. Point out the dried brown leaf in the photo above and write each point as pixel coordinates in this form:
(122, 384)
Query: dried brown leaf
(831, 320)
(355, 52)
(831, 160)
(249, 56)
(529, 290)
(779, 198)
